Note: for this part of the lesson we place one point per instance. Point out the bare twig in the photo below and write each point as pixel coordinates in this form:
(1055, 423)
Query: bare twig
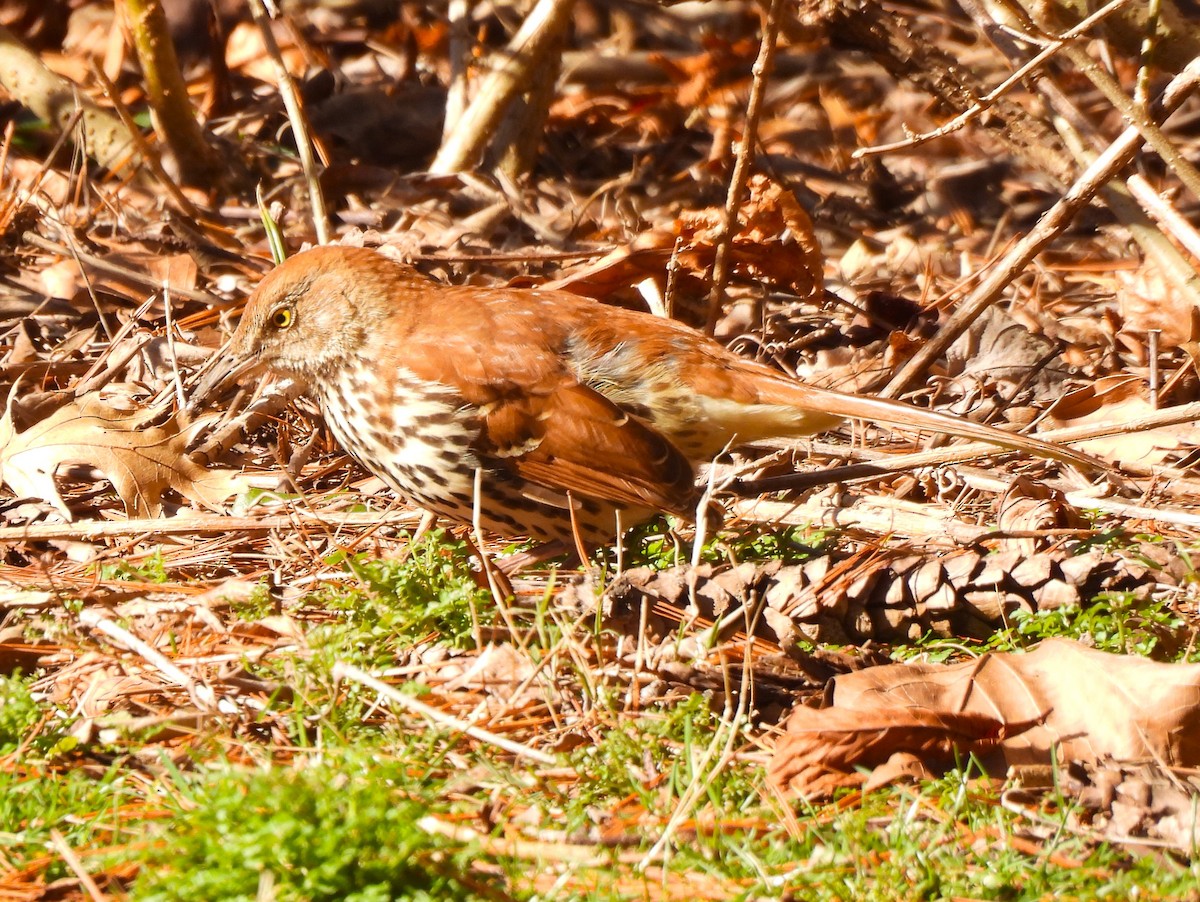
(137, 277)
(1165, 214)
(1075, 129)
(203, 695)
(882, 514)
(1151, 132)
(985, 102)
(298, 120)
(458, 14)
(524, 55)
(1147, 221)
(174, 117)
(1139, 208)
(72, 861)
(850, 510)
(273, 399)
(508, 846)
(200, 524)
(348, 671)
(741, 165)
(149, 156)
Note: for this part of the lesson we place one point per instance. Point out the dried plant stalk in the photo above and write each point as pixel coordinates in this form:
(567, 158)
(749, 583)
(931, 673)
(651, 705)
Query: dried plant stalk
(174, 118)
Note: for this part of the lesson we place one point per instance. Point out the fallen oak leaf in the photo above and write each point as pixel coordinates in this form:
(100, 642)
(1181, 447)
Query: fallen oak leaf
(140, 460)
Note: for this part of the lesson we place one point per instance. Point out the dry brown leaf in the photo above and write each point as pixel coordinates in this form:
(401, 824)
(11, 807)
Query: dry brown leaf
(1117, 399)
(1119, 803)
(141, 461)
(1001, 353)
(645, 257)
(825, 749)
(1062, 699)
(774, 239)
(245, 52)
(1149, 299)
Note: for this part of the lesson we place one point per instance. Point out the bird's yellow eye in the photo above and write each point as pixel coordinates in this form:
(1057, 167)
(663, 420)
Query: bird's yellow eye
(281, 317)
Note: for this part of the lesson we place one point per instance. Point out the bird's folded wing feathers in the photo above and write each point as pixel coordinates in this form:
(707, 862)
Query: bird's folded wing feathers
(577, 440)
(548, 428)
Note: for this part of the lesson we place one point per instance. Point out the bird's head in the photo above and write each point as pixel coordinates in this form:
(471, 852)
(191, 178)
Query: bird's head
(313, 314)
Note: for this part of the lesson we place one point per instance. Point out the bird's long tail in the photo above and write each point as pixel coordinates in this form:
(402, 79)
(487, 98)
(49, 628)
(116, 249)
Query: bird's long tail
(895, 413)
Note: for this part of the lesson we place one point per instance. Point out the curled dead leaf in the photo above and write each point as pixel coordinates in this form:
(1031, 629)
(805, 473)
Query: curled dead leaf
(830, 748)
(774, 239)
(1151, 299)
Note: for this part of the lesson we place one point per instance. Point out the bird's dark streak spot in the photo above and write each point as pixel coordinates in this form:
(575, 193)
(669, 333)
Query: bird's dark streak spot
(450, 457)
(638, 410)
(462, 497)
(440, 418)
(506, 480)
(433, 475)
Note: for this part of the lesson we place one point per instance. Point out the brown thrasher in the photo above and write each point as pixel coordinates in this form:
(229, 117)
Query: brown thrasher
(568, 409)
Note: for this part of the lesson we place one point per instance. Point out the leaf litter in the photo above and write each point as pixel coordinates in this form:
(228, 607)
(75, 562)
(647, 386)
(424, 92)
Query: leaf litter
(160, 643)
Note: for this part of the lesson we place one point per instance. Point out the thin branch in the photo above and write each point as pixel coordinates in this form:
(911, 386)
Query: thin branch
(984, 103)
(459, 15)
(1150, 131)
(200, 524)
(1165, 214)
(741, 165)
(298, 120)
(537, 36)
(174, 116)
(203, 695)
(348, 671)
(72, 861)
(149, 156)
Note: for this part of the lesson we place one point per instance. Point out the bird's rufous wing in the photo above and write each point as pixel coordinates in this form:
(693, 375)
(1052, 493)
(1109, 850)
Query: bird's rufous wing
(576, 440)
(546, 427)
